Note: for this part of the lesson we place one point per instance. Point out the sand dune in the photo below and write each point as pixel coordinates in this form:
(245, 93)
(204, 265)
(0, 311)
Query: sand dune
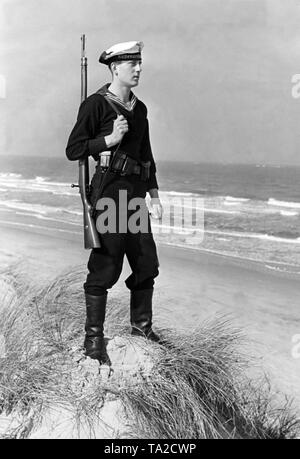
(192, 286)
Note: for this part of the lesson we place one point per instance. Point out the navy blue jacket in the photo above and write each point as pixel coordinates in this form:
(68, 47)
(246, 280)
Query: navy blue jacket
(95, 121)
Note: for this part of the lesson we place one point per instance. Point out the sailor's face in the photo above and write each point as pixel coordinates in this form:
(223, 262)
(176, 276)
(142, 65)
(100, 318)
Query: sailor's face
(129, 72)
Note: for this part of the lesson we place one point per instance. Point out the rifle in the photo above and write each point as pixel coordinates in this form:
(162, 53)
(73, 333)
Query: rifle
(91, 238)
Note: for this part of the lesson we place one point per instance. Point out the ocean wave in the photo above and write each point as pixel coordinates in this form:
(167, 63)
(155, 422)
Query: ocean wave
(40, 179)
(214, 203)
(192, 230)
(221, 211)
(18, 205)
(235, 199)
(46, 181)
(56, 214)
(6, 210)
(274, 238)
(37, 208)
(288, 213)
(193, 206)
(289, 204)
(281, 266)
(38, 184)
(263, 236)
(40, 227)
(259, 207)
(43, 217)
(10, 175)
(180, 193)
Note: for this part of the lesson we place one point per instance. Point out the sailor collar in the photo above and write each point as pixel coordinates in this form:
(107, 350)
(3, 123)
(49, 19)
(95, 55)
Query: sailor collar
(114, 98)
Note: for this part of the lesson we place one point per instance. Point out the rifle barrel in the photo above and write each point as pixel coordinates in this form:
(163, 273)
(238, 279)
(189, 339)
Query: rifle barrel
(91, 239)
(83, 69)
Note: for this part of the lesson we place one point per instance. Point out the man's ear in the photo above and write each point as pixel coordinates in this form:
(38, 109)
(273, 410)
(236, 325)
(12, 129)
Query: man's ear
(113, 67)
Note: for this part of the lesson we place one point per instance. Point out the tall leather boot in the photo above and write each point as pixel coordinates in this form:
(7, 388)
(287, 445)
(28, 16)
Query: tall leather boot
(141, 314)
(94, 342)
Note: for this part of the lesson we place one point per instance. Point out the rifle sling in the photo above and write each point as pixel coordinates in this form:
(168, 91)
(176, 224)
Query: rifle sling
(106, 174)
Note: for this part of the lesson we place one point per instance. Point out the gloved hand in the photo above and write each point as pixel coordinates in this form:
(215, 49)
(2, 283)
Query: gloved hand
(156, 208)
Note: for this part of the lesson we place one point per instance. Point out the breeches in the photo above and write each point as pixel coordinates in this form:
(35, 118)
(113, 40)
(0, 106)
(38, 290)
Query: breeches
(105, 264)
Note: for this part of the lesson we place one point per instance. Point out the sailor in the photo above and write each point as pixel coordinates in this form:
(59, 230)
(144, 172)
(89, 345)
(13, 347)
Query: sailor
(112, 123)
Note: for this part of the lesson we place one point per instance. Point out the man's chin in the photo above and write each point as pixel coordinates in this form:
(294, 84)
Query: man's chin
(132, 84)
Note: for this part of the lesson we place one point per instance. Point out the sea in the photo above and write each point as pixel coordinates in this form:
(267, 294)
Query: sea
(250, 212)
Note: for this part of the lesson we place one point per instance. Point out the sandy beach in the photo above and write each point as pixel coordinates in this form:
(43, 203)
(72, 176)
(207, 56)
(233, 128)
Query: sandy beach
(192, 286)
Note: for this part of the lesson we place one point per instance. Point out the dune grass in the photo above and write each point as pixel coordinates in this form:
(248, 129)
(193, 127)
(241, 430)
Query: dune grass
(197, 387)
(198, 390)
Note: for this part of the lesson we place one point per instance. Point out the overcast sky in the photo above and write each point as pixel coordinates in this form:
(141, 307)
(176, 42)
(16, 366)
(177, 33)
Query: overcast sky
(216, 75)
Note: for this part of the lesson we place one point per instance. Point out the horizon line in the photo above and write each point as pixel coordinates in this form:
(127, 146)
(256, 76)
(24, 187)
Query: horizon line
(223, 163)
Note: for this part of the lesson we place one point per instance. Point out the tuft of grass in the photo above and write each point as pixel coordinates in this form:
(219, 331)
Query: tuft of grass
(197, 387)
(198, 390)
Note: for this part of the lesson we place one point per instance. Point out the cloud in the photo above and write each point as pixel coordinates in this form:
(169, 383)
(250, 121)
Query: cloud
(216, 74)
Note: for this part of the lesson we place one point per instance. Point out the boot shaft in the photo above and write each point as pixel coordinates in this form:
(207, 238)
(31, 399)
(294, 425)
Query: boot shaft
(94, 343)
(141, 309)
(95, 314)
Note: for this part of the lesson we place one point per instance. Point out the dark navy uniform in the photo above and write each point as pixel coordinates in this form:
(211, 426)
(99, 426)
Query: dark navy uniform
(94, 122)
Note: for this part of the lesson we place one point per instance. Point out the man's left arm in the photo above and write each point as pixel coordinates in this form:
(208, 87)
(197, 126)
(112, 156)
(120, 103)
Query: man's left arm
(148, 156)
(152, 185)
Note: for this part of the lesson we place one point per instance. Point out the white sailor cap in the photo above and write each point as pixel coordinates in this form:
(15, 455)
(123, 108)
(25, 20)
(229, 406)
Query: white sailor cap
(128, 51)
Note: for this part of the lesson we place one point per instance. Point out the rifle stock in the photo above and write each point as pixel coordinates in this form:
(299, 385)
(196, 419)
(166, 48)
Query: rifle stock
(91, 237)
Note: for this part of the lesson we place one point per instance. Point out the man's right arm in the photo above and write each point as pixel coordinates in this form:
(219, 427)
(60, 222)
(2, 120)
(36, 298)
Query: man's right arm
(83, 141)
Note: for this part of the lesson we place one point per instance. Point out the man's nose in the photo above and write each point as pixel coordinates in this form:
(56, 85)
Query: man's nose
(138, 67)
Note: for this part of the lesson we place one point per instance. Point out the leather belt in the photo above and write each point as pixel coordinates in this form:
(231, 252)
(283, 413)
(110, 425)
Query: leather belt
(122, 163)
(137, 169)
